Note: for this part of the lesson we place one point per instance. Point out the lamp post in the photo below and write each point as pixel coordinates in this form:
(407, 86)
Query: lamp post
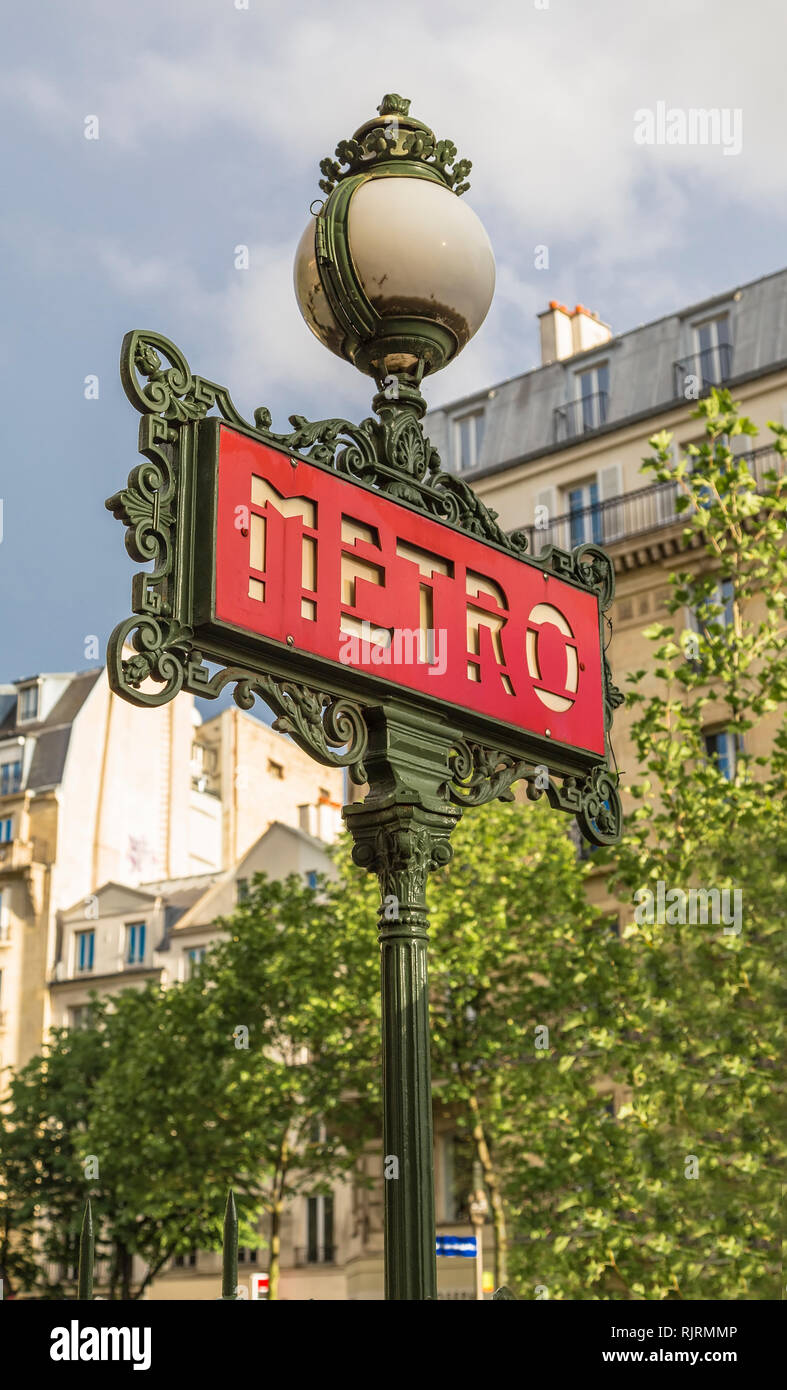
(269, 548)
(395, 273)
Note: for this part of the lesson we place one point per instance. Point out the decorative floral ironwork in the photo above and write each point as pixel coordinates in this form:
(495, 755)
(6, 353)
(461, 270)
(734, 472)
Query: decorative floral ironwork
(391, 453)
(481, 774)
(389, 141)
(331, 728)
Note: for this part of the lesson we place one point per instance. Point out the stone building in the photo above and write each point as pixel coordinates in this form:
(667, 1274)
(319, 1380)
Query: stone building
(94, 791)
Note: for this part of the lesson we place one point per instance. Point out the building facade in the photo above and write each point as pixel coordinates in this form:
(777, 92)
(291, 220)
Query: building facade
(94, 791)
(558, 452)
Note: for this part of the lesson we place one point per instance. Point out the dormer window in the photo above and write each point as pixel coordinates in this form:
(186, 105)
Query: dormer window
(27, 707)
(468, 438)
(712, 346)
(593, 394)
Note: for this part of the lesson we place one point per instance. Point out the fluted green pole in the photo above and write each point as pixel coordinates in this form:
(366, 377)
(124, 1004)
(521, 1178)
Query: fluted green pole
(87, 1247)
(401, 833)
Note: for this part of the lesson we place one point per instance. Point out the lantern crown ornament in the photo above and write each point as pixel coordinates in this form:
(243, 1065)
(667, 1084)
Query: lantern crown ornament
(394, 272)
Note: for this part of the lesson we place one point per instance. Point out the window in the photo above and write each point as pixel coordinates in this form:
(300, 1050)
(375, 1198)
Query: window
(6, 830)
(584, 513)
(723, 598)
(186, 1261)
(593, 393)
(4, 927)
(311, 878)
(79, 1016)
(247, 1257)
(27, 707)
(319, 1230)
(724, 748)
(468, 438)
(712, 343)
(242, 890)
(195, 957)
(85, 949)
(135, 943)
(10, 777)
(276, 769)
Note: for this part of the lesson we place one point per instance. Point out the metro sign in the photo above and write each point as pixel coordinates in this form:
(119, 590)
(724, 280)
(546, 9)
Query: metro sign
(340, 573)
(309, 560)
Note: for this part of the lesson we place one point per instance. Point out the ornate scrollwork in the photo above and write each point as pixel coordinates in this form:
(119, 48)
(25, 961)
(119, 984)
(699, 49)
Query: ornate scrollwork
(162, 651)
(391, 453)
(587, 565)
(480, 774)
(387, 142)
(173, 392)
(329, 727)
(595, 803)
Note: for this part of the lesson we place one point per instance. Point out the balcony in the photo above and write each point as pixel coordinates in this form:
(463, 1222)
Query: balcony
(709, 368)
(314, 1255)
(579, 417)
(638, 513)
(15, 855)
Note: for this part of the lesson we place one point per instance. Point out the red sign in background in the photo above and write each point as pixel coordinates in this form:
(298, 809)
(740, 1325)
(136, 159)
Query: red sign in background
(337, 571)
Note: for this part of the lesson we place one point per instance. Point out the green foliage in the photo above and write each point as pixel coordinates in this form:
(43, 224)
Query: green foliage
(175, 1111)
(685, 1021)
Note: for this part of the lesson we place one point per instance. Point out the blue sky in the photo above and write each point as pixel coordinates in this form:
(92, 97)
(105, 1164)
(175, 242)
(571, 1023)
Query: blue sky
(213, 117)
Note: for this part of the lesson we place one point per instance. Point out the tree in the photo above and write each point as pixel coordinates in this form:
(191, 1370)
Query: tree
(516, 952)
(703, 1042)
(172, 1096)
(291, 1026)
(42, 1181)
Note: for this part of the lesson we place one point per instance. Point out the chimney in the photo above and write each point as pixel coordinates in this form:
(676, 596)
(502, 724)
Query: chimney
(565, 332)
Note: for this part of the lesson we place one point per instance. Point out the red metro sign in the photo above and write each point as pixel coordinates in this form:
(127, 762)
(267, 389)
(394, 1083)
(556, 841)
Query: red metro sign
(334, 570)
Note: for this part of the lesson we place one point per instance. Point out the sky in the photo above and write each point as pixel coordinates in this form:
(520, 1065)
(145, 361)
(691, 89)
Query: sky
(212, 118)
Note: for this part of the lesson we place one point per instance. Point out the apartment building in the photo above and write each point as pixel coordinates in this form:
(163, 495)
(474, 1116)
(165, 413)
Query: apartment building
(557, 451)
(95, 792)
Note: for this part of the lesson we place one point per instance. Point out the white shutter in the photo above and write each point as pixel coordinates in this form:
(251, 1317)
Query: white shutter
(610, 485)
(544, 520)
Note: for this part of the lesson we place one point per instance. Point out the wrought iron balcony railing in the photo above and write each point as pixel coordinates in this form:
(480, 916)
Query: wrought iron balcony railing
(712, 367)
(578, 417)
(631, 514)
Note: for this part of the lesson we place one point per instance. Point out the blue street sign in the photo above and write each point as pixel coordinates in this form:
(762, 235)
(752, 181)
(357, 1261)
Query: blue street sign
(456, 1245)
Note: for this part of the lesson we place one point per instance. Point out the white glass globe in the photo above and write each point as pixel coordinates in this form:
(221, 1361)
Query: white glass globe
(419, 251)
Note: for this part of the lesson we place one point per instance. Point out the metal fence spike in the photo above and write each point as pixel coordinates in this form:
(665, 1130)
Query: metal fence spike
(86, 1254)
(229, 1259)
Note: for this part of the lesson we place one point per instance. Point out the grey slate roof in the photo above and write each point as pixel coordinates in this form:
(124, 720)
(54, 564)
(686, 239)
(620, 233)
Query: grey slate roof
(51, 734)
(519, 415)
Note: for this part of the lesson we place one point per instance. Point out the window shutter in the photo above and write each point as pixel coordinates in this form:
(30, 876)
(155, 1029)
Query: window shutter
(610, 485)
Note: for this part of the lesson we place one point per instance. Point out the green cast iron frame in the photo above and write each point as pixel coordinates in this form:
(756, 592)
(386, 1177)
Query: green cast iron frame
(423, 761)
